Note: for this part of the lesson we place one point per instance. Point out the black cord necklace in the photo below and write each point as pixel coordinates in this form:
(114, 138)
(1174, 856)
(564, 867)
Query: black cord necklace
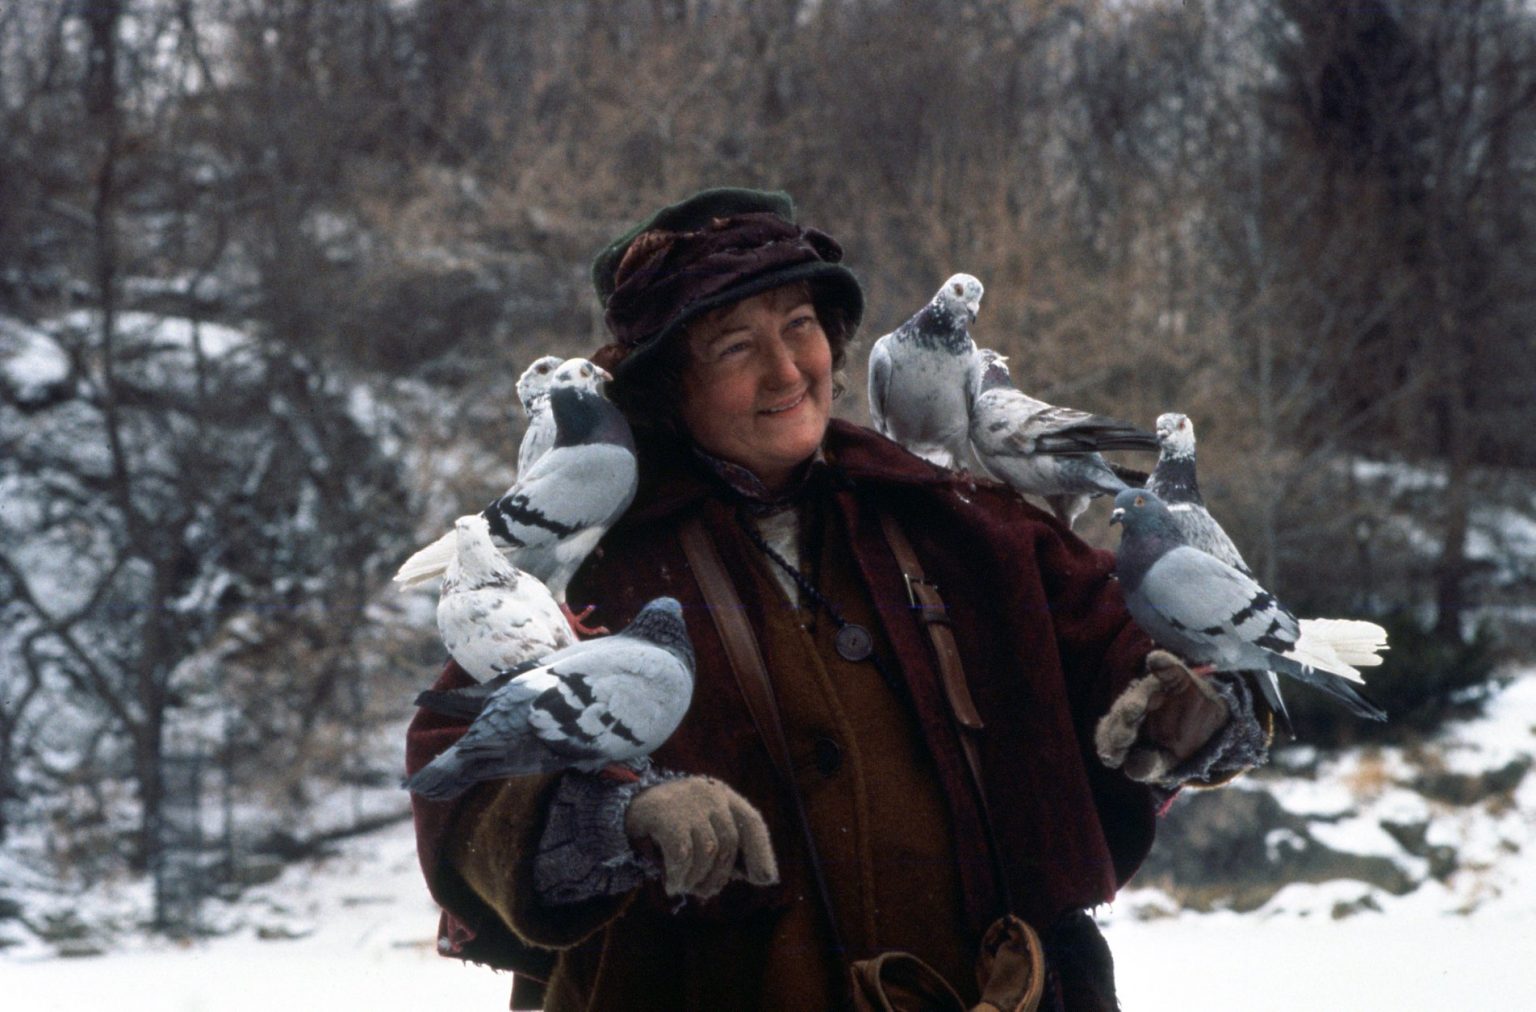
(853, 642)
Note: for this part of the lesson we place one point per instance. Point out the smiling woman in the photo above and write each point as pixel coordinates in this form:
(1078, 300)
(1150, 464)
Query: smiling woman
(873, 782)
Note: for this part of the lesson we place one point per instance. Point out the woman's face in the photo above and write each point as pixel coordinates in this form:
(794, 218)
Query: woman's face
(757, 390)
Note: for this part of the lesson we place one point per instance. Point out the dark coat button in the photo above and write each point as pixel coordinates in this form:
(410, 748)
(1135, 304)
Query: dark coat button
(829, 756)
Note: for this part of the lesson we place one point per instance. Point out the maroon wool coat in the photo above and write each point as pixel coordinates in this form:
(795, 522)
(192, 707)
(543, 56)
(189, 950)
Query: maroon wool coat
(1044, 636)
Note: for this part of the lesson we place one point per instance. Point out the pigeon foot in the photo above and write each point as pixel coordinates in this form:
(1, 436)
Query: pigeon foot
(576, 620)
(619, 774)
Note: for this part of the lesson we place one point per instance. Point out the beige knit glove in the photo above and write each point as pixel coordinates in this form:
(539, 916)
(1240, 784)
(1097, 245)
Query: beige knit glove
(706, 833)
(1160, 720)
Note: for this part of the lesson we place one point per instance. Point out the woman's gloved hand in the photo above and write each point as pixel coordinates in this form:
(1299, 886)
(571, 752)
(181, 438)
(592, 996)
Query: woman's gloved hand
(706, 835)
(1160, 720)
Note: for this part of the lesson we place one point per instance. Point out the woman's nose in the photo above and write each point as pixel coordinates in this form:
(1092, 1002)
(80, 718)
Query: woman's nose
(782, 369)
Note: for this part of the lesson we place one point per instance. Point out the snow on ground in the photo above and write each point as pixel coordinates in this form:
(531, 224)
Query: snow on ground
(1465, 942)
(356, 931)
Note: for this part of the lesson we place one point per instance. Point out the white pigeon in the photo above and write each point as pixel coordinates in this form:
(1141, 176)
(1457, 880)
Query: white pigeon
(592, 706)
(1333, 644)
(1207, 611)
(533, 395)
(555, 514)
(492, 616)
(1040, 449)
(917, 376)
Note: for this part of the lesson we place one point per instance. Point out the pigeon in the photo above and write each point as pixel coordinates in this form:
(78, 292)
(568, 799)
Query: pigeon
(533, 395)
(555, 514)
(1326, 642)
(917, 376)
(493, 617)
(1040, 449)
(1207, 611)
(601, 705)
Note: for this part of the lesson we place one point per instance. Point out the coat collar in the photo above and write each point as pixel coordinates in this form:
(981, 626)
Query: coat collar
(673, 478)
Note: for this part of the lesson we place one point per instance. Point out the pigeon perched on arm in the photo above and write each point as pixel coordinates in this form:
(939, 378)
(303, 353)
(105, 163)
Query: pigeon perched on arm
(555, 514)
(533, 395)
(1327, 642)
(1040, 449)
(1208, 612)
(493, 617)
(917, 375)
(603, 704)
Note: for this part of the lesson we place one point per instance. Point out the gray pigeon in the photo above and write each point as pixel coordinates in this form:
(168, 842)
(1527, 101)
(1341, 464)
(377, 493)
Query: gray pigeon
(1206, 611)
(1334, 644)
(1040, 449)
(533, 395)
(592, 706)
(555, 514)
(917, 376)
(1173, 481)
(493, 617)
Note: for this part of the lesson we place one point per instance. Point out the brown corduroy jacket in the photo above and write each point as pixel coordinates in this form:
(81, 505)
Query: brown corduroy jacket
(1046, 644)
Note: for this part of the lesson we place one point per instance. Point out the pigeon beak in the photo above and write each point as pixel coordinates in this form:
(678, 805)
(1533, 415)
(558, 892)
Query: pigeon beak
(604, 374)
(1117, 516)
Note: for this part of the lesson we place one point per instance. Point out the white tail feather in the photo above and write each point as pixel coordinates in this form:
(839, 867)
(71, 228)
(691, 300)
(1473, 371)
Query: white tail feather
(428, 563)
(1339, 646)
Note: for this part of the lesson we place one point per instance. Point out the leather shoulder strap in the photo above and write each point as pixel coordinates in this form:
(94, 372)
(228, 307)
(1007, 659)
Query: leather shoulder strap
(924, 597)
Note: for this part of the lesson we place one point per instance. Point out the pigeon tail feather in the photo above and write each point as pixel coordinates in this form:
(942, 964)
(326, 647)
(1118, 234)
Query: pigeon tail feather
(427, 563)
(1355, 642)
(1335, 686)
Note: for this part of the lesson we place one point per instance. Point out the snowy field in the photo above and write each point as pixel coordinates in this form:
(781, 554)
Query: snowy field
(356, 931)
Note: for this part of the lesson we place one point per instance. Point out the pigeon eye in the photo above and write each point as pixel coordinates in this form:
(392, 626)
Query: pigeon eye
(1140, 501)
(959, 289)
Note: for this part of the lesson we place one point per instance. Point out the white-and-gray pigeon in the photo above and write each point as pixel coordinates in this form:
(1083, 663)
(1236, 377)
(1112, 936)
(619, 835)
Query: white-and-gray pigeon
(1040, 449)
(533, 395)
(593, 706)
(1332, 643)
(917, 376)
(555, 514)
(1207, 611)
(492, 616)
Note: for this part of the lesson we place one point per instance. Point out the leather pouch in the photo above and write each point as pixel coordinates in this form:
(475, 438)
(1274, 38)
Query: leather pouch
(1010, 970)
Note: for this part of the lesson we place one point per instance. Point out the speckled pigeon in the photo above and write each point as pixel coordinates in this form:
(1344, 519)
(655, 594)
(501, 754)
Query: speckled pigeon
(917, 376)
(492, 616)
(1330, 643)
(593, 706)
(1040, 449)
(1205, 610)
(551, 519)
(533, 395)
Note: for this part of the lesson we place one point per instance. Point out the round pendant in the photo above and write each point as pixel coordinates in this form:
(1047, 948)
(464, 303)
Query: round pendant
(854, 642)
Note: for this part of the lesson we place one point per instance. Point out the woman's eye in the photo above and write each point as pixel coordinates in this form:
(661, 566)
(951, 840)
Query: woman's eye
(734, 348)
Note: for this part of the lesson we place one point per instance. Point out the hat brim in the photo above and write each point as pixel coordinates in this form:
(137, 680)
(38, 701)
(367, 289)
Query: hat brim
(843, 288)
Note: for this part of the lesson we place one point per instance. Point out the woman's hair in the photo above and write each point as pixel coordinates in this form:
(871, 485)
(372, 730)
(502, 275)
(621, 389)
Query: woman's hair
(651, 392)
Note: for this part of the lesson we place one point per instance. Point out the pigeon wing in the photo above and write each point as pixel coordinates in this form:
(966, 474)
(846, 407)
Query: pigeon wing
(879, 385)
(1208, 602)
(613, 706)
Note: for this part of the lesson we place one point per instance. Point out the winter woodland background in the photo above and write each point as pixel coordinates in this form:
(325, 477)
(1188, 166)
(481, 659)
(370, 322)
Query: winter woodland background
(268, 270)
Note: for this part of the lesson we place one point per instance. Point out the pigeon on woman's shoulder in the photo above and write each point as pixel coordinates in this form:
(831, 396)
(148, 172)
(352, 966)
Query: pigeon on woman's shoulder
(917, 375)
(1041, 449)
(554, 515)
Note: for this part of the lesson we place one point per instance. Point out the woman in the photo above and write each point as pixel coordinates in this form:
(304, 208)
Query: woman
(866, 769)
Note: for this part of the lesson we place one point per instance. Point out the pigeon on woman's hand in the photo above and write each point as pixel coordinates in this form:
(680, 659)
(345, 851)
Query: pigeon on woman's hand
(917, 375)
(1333, 644)
(555, 514)
(1208, 612)
(533, 395)
(493, 617)
(602, 705)
(1040, 449)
